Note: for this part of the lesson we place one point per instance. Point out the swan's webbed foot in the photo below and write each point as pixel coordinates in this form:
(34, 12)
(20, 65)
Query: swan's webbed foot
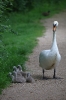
(45, 78)
(54, 76)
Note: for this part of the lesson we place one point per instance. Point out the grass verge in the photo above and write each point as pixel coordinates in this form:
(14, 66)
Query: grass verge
(15, 46)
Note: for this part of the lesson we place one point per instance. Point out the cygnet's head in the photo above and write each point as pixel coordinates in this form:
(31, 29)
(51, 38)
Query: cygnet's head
(14, 73)
(10, 74)
(19, 67)
(55, 24)
(15, 68)
(28, 74)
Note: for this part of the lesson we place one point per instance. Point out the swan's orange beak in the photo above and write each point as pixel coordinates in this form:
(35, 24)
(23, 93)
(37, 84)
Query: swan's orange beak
(54, 27)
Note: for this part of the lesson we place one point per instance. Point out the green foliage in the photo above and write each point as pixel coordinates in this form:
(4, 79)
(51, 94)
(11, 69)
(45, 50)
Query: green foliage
(1, 10)
(16, 47)
(22, 5)
(3, 14)
(26, 5)
(5, 6)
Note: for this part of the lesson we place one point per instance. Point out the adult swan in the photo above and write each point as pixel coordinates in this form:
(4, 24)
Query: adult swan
(49, 59)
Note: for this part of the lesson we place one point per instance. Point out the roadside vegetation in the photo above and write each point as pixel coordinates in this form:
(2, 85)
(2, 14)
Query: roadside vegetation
(19, 28)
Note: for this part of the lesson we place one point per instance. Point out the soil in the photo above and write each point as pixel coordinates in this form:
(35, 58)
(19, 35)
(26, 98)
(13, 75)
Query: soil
(50, 89)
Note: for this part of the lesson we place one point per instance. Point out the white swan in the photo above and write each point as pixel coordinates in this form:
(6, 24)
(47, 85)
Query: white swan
(49, 59)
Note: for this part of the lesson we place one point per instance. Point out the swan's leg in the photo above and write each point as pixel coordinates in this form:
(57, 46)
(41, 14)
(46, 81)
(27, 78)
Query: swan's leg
(54, 76)
(43, 73)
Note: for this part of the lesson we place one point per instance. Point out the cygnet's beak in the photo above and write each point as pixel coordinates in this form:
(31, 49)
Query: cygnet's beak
(54, 28)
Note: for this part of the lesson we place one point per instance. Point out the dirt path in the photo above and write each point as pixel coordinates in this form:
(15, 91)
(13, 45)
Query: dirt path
(51, 89)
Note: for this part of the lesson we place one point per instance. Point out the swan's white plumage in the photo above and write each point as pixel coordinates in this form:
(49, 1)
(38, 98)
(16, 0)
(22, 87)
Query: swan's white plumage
(49, 59)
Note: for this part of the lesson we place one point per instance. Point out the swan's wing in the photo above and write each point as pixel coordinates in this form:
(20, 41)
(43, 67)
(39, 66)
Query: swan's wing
(47, 59)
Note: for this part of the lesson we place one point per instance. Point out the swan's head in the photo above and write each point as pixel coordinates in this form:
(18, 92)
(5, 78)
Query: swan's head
(55, 24)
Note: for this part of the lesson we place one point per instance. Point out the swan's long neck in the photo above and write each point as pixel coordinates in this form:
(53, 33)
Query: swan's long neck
(54, 42)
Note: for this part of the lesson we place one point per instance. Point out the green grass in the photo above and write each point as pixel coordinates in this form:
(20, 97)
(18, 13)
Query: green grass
(16, 46)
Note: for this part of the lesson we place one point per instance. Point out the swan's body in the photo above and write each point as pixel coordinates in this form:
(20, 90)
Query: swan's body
(49, 59)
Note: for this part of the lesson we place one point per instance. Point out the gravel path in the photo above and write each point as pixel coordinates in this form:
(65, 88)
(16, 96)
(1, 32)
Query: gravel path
(50, 89)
